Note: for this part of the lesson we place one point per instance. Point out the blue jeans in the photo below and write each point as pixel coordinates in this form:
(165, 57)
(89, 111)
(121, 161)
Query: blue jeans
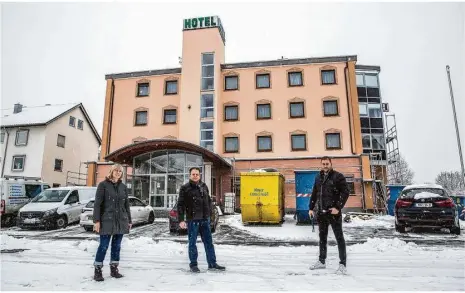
(103, 247)
(203, 227)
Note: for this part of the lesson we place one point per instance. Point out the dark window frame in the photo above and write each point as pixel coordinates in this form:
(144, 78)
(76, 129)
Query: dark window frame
(55, 165)
(143, 84)
(289, 79)
(165, 113)
(225, 82)
(328, 70)
(258, 144)
(292, 142)
(237, 112)
(263, 118)
(256, 80)
(337, 108)
(82, 124)
(340, 141)
(166, 87)
(73, 124)
(231, 151)
(147, 118)
(290, 110)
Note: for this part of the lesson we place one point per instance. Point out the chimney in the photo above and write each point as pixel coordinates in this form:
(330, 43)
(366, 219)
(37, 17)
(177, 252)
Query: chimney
(18, 108)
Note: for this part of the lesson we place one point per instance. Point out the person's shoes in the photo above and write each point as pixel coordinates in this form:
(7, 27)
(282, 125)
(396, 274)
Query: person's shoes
(98, 274)
(342, 270)
(114, 271)
(216, 267)
(195, 269)
(318, 266)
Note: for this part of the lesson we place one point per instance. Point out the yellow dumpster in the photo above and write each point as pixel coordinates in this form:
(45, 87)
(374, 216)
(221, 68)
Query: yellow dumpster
(262, 197)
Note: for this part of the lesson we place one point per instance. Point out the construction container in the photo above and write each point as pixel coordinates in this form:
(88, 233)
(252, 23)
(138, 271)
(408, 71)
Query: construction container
(304, 181)
(262, 197)
(393, 192)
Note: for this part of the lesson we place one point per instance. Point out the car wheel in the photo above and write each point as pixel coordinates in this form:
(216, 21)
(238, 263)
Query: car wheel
(400, 228)
(88, 228)
(151, 218)
(61, 222)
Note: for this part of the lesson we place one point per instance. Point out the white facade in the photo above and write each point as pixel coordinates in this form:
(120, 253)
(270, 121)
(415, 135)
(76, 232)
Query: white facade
(54, 149)
(32, 151)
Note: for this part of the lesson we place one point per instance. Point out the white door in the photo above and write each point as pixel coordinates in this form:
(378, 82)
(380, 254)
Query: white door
(140, 209)
(134, 213)
(72, 207)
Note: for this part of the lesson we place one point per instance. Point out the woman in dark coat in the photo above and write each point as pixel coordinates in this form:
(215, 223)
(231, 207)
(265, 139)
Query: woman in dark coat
(112, 219)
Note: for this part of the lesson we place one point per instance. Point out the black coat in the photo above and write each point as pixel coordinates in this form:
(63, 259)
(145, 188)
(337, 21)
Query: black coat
(111, 208)
(331, 191)
(189, 206)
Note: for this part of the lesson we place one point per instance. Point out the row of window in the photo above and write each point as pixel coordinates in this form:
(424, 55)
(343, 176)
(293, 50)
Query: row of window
(72, 123)
(264, 143)
(231, 82)
(21, 139)
(231, 112)
(19, 162)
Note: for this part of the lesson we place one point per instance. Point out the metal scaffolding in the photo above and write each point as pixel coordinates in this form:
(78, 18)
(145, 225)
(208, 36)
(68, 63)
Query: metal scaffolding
(394, 170)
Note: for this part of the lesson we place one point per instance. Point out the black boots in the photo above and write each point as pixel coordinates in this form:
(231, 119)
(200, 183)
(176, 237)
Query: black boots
(216, 267)
(98, 274)
(114, 271)
(195, 269)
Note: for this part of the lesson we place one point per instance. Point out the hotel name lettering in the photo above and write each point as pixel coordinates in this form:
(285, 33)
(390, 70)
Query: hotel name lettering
(200, 22)
(259, 192)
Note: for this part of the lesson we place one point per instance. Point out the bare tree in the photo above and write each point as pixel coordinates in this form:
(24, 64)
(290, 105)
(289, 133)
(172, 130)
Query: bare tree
(400, 172)
(451, 180)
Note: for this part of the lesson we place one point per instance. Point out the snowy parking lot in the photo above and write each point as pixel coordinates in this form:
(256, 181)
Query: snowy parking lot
(257, 258)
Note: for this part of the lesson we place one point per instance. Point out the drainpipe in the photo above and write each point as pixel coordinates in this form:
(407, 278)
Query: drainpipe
(6, 148)
(347, 82)
(110, 118)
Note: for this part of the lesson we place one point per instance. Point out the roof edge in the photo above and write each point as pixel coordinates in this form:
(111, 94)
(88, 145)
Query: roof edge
(368, 67)
(133, 74)
(295, 61)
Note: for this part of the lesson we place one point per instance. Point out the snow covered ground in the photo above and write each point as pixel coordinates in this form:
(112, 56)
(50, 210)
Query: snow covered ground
(151, 265)
(356, 231)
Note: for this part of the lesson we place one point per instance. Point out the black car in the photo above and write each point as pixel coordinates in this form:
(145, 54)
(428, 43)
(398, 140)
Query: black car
(174, 224)
(426, 206)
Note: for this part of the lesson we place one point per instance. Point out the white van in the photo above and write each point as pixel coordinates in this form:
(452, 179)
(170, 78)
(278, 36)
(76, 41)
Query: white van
(15, 193)
(55, 207)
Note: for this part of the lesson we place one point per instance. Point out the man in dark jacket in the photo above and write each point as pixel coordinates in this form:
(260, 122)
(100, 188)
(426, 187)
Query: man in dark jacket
(331, 192)
(194, 203)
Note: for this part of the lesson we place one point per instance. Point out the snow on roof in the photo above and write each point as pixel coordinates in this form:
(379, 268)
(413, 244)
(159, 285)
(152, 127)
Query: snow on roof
(417, 186)
(34, 115)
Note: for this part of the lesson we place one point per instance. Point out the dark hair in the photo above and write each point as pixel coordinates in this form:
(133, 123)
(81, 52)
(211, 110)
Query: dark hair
(326, 158)
(193, 168)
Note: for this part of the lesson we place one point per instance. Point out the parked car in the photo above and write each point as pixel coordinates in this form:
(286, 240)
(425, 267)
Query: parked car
(140, 213)
(174, 223)
(55, 207)
(427, 206)
(16, 193)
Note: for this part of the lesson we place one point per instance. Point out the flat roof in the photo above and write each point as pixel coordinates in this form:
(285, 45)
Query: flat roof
(265, 63)
(367, 67)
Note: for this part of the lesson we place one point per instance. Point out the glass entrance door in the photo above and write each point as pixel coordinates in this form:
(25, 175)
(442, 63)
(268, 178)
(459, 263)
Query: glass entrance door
(158, 191)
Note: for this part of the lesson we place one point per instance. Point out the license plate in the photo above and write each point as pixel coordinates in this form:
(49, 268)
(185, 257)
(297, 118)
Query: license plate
(424, 205)
(31, 221)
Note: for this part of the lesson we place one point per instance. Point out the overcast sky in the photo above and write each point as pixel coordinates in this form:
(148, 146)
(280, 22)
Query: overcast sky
(59, 53)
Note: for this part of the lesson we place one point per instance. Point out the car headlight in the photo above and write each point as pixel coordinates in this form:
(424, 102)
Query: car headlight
(50, 212)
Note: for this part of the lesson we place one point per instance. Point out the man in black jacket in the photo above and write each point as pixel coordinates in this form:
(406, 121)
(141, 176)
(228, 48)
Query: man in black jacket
(194, 202)
(331, 192)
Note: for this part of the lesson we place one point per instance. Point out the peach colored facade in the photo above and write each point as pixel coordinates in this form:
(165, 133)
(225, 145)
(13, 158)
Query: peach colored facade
(123, 101)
